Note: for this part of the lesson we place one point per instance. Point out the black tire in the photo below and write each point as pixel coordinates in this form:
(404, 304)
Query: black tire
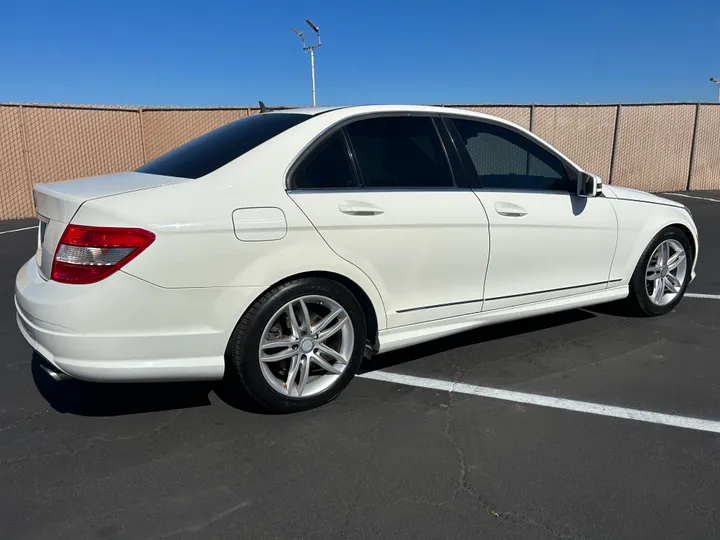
(638, 300)
(243, 370)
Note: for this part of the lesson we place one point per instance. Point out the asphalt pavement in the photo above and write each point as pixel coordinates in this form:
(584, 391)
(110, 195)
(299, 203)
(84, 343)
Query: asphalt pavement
(386, 460)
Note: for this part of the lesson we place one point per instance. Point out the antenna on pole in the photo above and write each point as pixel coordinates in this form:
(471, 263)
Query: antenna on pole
(310, 49)
(716, 81)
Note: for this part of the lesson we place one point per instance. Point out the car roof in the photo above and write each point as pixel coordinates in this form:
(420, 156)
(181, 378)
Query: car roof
(353, 110)
(313, 111)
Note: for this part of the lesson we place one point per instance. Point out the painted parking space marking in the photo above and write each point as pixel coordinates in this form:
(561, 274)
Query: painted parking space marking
(685, 422)
(702, 295)
(18, 230)
(693, 197)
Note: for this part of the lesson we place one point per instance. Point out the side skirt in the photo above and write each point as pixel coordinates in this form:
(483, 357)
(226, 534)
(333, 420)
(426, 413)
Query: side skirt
(405, 336)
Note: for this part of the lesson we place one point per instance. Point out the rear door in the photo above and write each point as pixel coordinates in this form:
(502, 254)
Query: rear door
(546, 241)
(381, 192)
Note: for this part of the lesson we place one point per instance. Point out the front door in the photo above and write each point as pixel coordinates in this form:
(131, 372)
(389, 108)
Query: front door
(546, 242)
(400, 219)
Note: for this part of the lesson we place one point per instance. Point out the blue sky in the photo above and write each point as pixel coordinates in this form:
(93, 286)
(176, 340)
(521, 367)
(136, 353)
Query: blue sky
(217, 52)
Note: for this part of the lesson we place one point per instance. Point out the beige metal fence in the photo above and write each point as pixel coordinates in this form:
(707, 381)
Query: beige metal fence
(653, 147)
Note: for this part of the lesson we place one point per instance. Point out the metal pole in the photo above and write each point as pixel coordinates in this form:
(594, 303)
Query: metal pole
(716, 81)
(312, 73)
(311, 50)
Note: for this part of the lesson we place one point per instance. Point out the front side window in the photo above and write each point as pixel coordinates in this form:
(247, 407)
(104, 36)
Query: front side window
(327, 167)
(400, 152)
(505, 159)
(220, 146)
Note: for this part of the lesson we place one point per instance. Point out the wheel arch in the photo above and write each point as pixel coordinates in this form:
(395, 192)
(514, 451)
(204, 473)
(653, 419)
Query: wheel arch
(669, 225)
(638, 224)
(372, 319)
(691, 237)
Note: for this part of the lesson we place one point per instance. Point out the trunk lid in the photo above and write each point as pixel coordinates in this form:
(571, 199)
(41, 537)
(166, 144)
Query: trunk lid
(57, 203)
(60, 201)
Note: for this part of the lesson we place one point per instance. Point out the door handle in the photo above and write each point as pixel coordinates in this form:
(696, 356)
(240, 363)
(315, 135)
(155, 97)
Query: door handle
(509, 209)
(355, 209)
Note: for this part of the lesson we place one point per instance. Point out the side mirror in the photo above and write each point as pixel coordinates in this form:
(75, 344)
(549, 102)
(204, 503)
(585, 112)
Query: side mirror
(588, 185)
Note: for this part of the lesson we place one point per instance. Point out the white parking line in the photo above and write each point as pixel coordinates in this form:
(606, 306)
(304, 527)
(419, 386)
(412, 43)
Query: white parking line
(706, 296)
(693, 197)
(18, 230)
(686, 422)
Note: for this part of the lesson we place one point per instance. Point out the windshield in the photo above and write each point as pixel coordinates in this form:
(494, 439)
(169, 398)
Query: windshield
(220, 146)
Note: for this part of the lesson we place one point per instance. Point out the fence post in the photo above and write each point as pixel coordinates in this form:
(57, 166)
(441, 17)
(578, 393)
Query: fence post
(530, 128)
(692, 146)
(532, 117)
(142, 135)
(26, 157)
(614, 144)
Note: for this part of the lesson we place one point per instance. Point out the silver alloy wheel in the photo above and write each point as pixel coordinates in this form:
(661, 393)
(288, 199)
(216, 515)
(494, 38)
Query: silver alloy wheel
(665, 272)
(306, 346)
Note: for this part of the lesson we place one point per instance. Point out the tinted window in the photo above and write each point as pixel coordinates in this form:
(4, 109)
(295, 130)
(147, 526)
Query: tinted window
(399, 153)
(220, 146)
(505, 159)
(328, 167)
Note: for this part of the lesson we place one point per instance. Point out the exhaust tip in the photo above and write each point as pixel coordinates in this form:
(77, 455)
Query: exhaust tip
(55, 373)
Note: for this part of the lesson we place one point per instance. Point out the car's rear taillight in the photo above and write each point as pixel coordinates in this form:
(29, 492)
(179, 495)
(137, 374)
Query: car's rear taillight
(90, 254)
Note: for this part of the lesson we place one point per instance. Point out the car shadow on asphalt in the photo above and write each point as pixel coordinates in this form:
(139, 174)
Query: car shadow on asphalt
(116, 399)
(84, 398)
(614, 309)
(475, 337)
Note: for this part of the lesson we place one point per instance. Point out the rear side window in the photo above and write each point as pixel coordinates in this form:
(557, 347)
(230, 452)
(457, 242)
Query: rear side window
(220, 146)
(327, 167)
(505, 159)
(403, 152)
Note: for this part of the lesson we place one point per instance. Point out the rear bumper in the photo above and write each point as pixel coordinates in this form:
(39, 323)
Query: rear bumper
(124, 329)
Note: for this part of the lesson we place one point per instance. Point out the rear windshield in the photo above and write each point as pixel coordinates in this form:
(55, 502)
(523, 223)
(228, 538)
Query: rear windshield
(220, 146)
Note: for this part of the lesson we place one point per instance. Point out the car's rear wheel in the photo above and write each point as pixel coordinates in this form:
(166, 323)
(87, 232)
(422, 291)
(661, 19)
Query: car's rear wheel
(298, 346)
(662, 274)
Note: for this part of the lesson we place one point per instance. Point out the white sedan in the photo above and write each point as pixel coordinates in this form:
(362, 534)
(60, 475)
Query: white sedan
(278, 251)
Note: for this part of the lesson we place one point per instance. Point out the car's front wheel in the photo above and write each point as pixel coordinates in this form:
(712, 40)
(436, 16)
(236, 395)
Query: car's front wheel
(298, 346)
(662, 274)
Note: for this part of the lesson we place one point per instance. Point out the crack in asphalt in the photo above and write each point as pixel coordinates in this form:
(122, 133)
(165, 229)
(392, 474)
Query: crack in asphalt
(13, 364)
(463, 484)
(89, 442)
(199, 527)
(25, 420)
(353, 506)
(462, 479)
(660, 342)
(540, 347)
